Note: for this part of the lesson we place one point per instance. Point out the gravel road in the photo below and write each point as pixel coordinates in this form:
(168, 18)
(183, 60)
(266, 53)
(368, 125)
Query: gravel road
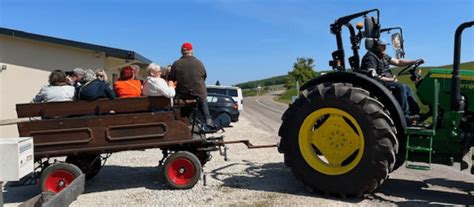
(255, 177)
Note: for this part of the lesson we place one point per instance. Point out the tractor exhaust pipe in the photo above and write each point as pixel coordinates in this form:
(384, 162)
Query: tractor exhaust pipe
(456, 80)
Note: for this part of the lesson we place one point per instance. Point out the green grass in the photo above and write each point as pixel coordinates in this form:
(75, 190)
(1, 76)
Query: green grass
(286, 96)
(249, 92)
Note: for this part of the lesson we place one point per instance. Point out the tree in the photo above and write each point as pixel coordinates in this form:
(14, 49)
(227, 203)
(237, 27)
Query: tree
(218, 83)
(303, 71)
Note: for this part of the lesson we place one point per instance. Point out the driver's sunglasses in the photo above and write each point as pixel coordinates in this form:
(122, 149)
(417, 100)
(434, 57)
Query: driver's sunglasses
(99, 76)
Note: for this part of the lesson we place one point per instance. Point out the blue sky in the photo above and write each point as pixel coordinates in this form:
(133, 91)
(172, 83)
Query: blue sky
(240, 40)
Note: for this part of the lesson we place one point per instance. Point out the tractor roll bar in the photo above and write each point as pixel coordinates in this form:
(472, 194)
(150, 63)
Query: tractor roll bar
(346, 19)
(338, 61)
(456, 80)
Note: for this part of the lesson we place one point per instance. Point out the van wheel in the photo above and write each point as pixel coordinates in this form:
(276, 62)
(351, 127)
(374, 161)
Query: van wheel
(223, 119)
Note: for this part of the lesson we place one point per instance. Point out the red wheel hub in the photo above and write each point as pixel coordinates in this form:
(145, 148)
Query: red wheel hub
(181, 171)
(58, 180)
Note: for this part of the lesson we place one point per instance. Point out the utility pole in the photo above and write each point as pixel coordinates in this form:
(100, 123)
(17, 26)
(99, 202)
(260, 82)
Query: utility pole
(297, 88)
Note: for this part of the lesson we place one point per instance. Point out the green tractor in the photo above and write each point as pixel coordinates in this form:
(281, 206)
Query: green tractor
(346, 131)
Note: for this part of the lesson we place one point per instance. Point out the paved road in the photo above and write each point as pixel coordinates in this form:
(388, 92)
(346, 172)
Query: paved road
(264, 112)
(442, 185)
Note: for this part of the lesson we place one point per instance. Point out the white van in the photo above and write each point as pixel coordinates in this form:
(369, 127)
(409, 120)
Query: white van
(235, 92)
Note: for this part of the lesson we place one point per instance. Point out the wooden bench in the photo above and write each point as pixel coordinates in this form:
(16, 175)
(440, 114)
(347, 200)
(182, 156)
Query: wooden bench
(100, 126)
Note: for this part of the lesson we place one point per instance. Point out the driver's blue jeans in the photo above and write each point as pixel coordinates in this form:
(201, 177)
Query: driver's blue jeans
(401, 93)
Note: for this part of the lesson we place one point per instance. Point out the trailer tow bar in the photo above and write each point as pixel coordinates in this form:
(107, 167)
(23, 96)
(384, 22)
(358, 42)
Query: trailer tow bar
(223, 152)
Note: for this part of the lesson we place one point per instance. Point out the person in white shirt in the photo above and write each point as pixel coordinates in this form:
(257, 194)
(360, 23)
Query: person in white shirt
(154, 85)
(57, 90)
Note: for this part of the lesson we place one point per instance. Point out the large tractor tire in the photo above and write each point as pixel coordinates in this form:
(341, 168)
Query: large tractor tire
(340, 140)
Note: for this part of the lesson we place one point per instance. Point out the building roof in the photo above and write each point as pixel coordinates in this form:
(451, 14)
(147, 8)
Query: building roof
(109, 51)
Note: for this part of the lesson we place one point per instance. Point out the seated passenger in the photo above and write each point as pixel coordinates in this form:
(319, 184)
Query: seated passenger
(155, 85)
(57, 90)
(165, 72)
(101, 75)
(95, 88)
(136, 72)
(127, 85)
(74, 77)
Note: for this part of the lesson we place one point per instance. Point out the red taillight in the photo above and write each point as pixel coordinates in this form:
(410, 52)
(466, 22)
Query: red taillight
(236, 106)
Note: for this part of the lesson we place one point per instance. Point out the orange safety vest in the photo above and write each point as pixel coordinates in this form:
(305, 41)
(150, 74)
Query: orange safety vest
(128, 88)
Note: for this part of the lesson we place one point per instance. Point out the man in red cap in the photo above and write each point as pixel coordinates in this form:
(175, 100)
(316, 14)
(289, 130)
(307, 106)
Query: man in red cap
(190, 75)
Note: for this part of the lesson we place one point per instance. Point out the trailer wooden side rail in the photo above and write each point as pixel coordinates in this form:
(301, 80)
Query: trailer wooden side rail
(103, 126)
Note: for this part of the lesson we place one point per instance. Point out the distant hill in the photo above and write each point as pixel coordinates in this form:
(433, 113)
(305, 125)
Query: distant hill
(463, 66)
(276, 80)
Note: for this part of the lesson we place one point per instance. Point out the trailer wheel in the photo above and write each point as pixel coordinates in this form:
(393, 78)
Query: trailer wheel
(89, 164)
(182, 170)
(340, 140)
(58, 176)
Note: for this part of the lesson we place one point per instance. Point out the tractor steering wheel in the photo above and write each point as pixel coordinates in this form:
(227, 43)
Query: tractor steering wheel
(411, 70)
(412, 67)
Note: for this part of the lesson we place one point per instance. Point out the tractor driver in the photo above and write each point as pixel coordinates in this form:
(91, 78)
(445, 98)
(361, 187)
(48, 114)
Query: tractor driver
(376, 63)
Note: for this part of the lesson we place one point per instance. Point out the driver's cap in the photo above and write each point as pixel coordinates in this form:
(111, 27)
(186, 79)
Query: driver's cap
(381, 41)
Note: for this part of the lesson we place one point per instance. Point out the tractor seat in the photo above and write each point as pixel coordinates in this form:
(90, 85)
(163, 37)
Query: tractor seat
(370, 44)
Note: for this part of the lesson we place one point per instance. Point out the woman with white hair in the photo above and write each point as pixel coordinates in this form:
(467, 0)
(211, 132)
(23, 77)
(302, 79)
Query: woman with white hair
(155, 85)
(94, 88)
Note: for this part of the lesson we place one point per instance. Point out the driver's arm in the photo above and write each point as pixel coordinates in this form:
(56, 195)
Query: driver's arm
(401, 62)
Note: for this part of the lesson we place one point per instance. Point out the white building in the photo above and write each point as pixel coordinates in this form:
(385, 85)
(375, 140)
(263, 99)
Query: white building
(27, 59)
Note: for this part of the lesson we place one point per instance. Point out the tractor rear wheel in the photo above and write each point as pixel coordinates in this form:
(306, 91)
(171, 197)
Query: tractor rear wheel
(340, 140)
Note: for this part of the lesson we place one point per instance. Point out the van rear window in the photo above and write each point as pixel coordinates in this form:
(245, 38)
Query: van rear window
(217, 90)
(229, 92)
(232, 92)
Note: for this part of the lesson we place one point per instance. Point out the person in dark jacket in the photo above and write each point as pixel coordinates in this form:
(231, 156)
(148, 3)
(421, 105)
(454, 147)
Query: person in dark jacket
(94, 88)
(190, 75)
(376, 63)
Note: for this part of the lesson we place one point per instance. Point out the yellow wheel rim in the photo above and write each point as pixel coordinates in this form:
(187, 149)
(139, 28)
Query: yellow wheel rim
(331, 141)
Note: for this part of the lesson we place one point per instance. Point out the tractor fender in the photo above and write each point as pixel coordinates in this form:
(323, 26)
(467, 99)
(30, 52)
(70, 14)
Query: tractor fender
(374, 87)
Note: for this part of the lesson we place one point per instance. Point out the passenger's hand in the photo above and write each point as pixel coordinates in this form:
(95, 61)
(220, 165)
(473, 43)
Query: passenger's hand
(172, 84)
